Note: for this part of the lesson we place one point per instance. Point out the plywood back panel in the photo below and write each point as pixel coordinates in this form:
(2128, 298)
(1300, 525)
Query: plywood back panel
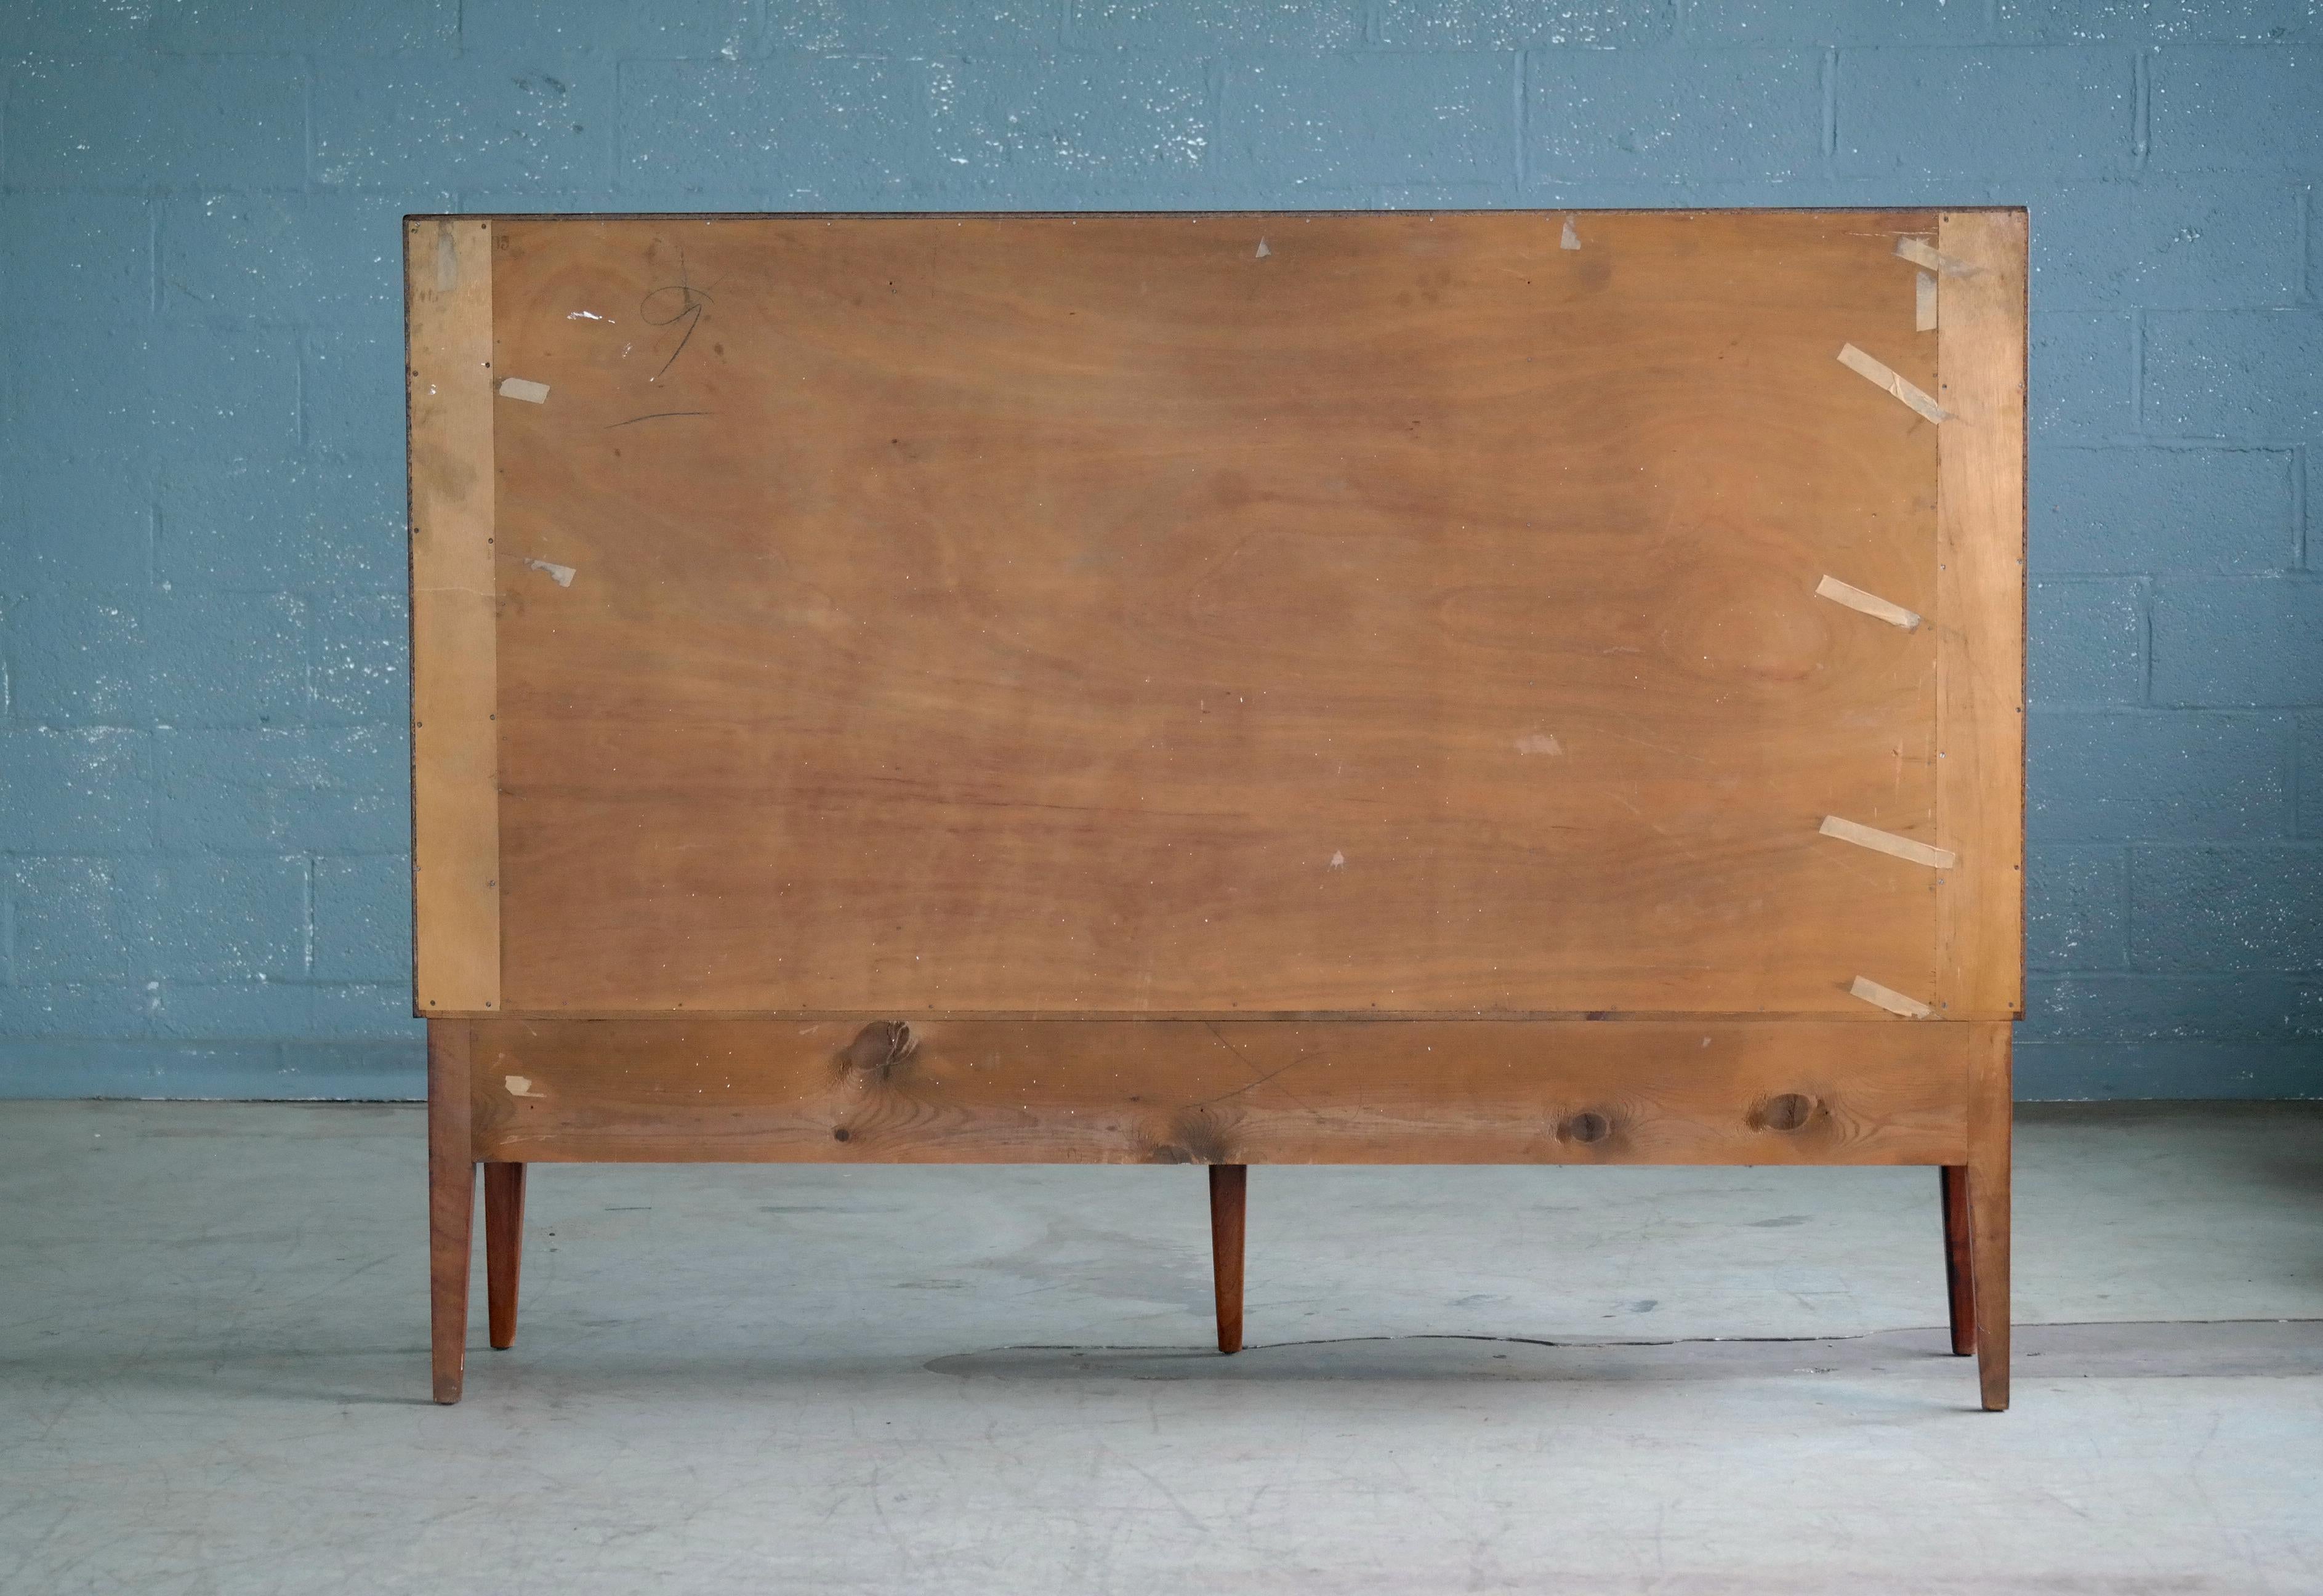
(1201, 615)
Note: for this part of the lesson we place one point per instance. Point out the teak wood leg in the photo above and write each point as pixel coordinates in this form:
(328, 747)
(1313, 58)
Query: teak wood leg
(1958, 1287)
(1990, 1117)
(503, 1248)
(451, 1202)
(1229, 1186)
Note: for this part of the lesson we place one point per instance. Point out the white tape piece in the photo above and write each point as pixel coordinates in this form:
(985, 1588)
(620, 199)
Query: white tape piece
(1871, 604)
(1920, 252)
(1569, 239)
(1262, 251)
(1888, 998)
(1924, 302)
(562, 575)
(447, 258)
(519, 1086)
(518, 387)
(1881, 375)
(1887, 842)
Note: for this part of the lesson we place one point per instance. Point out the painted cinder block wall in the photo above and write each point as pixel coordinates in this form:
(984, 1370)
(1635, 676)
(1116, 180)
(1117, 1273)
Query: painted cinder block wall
(202, 767)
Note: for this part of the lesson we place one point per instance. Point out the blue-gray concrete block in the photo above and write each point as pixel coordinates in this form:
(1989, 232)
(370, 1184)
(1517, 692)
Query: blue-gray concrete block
(361, 663)
(909, 28)
(1525, 25)
(2066, 1072)
(2075, 908)
(363, 919)
(2182, 511)
(208, 919)
(1835, 22)
(78, 659)
(2132, 777)
(224, 390)
(664, 29)
(324, 27)
(1298, 124)
(1047, 130)
(74, 521)
(350, 1010)
(225, 121)
(351, 395)
(1673, 116)
(244, 1010)
(322, 518)
(76, 256)
(2149, 22)
(69, 920)
(801, 131)
(2252, 376)
(297, 790)
(2087, 643)
(2253, 641)
(304, 260)
(74, 27)
(73, 386)
(2229, 241)
(409, 127)
(82, 790)
(226, 659)
(91, 1008)
(2255, 1006)
(2219, 108)
(2223, 909)
(2310, 776)
(2082, 388)
(2028, 115)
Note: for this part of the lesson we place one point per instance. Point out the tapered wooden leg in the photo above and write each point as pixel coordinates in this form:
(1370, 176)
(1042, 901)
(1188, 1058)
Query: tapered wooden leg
(1958, 1285)
(451, 1202)
(1990, 1116)
(1229, 1184)
(503, 1248)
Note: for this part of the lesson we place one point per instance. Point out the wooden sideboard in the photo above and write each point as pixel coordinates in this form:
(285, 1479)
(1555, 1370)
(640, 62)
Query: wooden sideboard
(1218, 689)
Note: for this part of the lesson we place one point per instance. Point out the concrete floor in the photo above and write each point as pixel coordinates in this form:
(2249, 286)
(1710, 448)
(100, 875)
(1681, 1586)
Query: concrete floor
(212, 1374)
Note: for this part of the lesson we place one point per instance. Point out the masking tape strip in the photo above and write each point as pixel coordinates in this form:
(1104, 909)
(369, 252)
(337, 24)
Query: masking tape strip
(518, 387)
(1924, 302)
(1920, 252)
(1894, 1002)
(1871, 604)
(1887, 842)
(1882, 376)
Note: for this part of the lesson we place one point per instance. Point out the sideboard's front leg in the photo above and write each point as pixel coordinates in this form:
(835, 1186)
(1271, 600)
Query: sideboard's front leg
(451, 1202)
(1991, 1113)
(503, 1248)
(1229, 1184)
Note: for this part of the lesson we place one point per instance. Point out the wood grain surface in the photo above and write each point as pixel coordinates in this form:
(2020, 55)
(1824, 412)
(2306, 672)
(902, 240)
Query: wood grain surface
(1103, 615)
(454, 744)
(1226, 1092)
(1980, 617)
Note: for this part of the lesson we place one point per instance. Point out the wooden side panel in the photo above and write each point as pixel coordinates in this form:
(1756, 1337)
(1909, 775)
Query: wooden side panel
(1109, 615)
(1980, 616)
(454, 743)
(987, 1091)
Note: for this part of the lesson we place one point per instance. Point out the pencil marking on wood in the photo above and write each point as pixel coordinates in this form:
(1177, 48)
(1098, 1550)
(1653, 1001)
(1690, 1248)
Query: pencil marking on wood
(1887, 842)
(1871, 604)
(1888, 998)
(1881, 375)
(519, 388)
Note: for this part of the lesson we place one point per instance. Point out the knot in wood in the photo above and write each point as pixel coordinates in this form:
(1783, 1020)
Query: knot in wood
(881, 1046)
(1588, 1125)
(1789, 1111)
